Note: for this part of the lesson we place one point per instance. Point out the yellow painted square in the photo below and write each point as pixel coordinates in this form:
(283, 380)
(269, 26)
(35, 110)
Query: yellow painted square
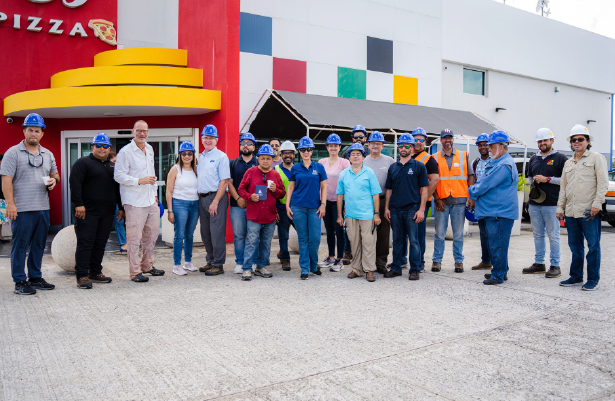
(405, 90)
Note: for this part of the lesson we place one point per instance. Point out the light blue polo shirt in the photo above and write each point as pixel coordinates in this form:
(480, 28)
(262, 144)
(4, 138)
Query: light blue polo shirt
(213, 167)
(307, 184)
(358, 191)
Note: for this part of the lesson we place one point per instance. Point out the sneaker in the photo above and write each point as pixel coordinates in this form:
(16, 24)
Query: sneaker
(414, 275)
(316, 273)
(140, 278)
(305, 277)
(491, 281)
(536, 268)
(337, 266)
(421, 269)
(179, 270)
(190, 267)
(590, 286)
(100, 278)
(571, 283)
(347, 258)
(84, 283)
(41, 284)
(263, 272)
(553, 272)
(327, 262)
(24, 288)
(238, 269)
(285, 264)
(246, 275)
(482, 266)
(214, 271)
(488, 276)
(156, 272)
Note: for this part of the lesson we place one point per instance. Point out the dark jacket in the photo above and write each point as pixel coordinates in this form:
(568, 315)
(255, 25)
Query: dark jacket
(92, 185)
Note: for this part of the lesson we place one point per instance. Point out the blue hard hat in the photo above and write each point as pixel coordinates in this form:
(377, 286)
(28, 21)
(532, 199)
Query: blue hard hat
(358, 128)
(405, 138)
(305, 143)
(419, 131)
(334, 139)
(34, 120)
(376, 136)
(101, 139)
(210, 130)
(247, 136)
(498, 136)
(161, 208)
(356, 146)
(482, 138)
(470, 215)
(186, 147)
(266, 150)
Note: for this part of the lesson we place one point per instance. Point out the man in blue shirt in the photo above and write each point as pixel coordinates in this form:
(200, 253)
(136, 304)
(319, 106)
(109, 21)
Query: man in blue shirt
(212, 180)
(407, 187)
(238, 167)
(496, 202)
(287, 153)
(359, 186)
(478, 165)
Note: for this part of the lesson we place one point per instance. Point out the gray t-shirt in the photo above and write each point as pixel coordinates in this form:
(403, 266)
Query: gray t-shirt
(381, 168)
(29, 190)
(449, 200)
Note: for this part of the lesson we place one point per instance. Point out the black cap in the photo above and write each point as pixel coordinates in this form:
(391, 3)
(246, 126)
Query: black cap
(446, 132)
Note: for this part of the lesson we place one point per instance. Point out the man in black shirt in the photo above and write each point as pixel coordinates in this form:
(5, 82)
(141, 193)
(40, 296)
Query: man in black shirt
(94, 195)
(545, 172)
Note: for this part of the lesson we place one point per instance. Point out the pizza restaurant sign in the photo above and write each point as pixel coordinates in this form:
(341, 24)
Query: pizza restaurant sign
(101, 28)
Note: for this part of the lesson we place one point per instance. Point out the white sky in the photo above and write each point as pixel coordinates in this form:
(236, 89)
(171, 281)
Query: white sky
(596, 16)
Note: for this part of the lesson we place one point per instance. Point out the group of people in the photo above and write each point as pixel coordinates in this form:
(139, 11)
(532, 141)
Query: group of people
(361, 195)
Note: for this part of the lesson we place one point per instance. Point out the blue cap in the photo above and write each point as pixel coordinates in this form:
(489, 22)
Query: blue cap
(186, 147)
(419, 131)
(446, 132)
(266, 150)
(498, 136)
(34, 120)
(482, 138)
(306, 143)
(247, 136)
(358, 128)
(101, 139)
(376, 136)
(356, 146)
(405, 138)
(334, 139)
(210, 130)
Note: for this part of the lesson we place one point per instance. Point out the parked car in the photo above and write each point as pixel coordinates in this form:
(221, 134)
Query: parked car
(609, 205)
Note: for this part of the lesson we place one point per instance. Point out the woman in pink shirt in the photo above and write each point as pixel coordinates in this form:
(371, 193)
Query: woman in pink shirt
(333, 166)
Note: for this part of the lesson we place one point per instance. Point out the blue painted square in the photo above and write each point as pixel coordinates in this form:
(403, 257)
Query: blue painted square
(379, 55)
(255, 34)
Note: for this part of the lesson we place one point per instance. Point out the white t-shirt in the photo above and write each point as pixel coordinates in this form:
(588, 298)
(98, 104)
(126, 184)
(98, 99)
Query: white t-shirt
(185, 185)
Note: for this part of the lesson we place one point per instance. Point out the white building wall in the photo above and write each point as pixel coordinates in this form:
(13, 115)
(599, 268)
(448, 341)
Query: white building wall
(147, 23)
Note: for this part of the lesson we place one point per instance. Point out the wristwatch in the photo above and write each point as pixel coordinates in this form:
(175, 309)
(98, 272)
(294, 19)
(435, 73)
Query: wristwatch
(169, 211)
(376, 212)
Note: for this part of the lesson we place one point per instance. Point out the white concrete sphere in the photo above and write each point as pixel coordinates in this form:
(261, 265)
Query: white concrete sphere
(63, 249)
(293, 241)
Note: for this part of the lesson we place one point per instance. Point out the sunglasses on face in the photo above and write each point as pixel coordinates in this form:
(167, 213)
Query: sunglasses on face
(98, 145)
(407, 146)
(359, 137)
(306, 150)
(246, 143)
(187, 154)
(288, 154)
(573, 140)
(419, 140)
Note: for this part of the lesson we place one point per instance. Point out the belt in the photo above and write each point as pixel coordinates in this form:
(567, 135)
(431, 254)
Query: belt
(207, 194)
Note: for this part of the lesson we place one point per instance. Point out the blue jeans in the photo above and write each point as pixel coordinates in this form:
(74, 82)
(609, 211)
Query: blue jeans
(307, 225)
(484, 242)
(578, 230)
(335, 232)
(458, 216)
(186, 215)
(404, 227)
(544, 222)
(258, 242)
(240, 227)
(283, 232)
(120, 230)
(498, 231)
(422, 237)
(30, 231)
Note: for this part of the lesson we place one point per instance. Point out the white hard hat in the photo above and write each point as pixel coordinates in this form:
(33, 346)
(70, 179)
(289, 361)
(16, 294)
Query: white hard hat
(544, 133)
(579, 130)
(288, 145)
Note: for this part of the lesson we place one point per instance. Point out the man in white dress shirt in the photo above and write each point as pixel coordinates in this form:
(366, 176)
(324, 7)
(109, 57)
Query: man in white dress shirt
(134, 171)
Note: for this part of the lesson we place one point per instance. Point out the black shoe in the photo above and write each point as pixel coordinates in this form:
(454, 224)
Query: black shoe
(40, 284)
(491, 281)
(317, 272)
(285, 264)
(24, 288)
(381, 270)
(488, 276)
(554, 271)
(414, 275)
(155, 272)
(536, 268)
(140, 278)
(305, 277)
(391, 274)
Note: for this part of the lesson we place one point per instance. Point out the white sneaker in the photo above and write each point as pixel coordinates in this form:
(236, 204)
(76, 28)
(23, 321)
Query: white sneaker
(179, 270)
(238, 269)
(190, 267)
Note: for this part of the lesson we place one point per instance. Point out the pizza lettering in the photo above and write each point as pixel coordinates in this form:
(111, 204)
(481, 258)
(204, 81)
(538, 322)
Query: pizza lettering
(104, 31)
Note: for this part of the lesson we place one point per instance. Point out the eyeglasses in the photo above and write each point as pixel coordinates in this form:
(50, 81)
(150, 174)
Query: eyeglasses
(306, 150)
(275, 146)
(141, 131)
(573, 140)
(288, 153)
(246, 143)
(207, 138)
(358, 137)
(98, 145)
(33, 160)
(407, 146)
(419, 140)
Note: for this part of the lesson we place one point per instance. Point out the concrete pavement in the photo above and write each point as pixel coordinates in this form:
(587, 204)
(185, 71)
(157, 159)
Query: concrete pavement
(445, 337)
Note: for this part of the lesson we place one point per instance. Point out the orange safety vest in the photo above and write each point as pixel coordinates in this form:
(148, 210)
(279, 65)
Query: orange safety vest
(423, 157)
(453, 182)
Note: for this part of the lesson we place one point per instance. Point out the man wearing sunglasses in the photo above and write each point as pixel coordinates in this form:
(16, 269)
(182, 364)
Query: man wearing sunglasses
(94, 196)
(582, 191)
(29, 172)
(478, 165)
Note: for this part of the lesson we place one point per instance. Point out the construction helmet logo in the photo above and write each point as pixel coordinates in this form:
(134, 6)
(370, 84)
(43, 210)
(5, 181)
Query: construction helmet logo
(551, 134)
(104, 31)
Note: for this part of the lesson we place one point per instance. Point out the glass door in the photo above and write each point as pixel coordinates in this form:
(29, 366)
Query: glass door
(164, 158)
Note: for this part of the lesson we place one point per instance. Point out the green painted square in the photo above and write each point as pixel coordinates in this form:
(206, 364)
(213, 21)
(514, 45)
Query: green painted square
(351, 83)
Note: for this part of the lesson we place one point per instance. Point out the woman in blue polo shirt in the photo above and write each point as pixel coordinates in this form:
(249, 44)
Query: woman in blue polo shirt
(306, 199)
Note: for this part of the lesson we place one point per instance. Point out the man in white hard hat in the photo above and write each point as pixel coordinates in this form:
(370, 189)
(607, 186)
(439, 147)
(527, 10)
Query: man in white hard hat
(583, 188)
(545, 172)
(287, 152)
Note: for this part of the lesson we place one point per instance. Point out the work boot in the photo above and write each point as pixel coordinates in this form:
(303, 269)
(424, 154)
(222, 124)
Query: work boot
(458, 267)
(381, 270)
(285, 264)
(414, 275)
(370, 276)
(99, 278)
(482, 266)
(488, 276)
(84, 283)
(353, 274)
(436, 266)
(536, 268)
(391, 274)
(205, 268)
(347, 258)
(214, 271)
(553, 272)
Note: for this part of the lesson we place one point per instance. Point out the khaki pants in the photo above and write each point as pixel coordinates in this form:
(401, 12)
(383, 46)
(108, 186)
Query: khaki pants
(142, 228)
(363, 243)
